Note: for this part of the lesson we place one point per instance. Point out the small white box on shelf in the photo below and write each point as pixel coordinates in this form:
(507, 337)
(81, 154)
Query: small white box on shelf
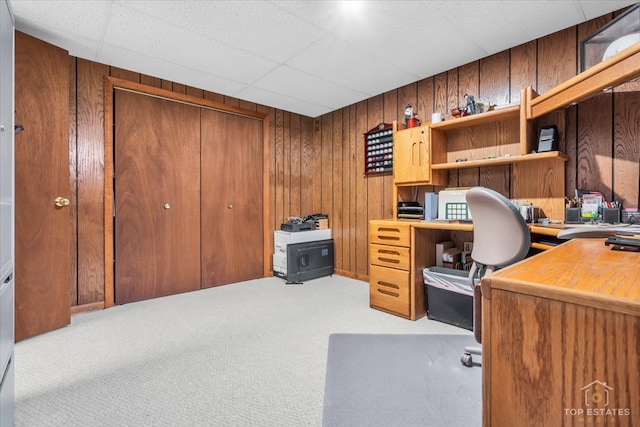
(452, 204)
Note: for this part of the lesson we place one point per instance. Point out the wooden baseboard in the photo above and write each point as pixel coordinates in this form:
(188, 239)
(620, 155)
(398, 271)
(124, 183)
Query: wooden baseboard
(351, 275)
(75, 309)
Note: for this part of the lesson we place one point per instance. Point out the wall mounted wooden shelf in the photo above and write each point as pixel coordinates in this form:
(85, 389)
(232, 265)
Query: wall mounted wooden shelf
(505, 160)
(503, 113)
(620, 68)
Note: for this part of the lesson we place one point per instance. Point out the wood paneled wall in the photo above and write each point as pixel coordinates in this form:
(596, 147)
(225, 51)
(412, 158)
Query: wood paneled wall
(317, 164)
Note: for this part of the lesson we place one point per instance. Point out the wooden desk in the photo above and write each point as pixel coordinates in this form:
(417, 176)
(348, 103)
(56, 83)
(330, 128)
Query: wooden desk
(561, 339)
(400, 250)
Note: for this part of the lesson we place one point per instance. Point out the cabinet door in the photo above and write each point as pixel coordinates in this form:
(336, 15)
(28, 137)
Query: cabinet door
(411, 156)
(232, 188)
(157, 197)
(43, 247)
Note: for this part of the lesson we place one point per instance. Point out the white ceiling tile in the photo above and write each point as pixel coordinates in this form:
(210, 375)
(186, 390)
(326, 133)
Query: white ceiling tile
(85, 19)
(371, 73)
(593, 9)
(290, 82)
(266, 97)
(179, 73)
(152, 37)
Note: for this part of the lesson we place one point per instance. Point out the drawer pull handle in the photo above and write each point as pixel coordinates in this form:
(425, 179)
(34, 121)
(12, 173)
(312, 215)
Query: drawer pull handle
(392, 230)
(388, 252)
(389, 260)
(389, 285)
(391, 294)
(394, 238)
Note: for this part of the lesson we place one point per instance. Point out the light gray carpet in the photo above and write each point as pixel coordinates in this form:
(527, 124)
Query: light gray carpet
(401, 380)
(248, 354)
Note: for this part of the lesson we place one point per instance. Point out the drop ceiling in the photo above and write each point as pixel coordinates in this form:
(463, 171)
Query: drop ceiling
(306, 57)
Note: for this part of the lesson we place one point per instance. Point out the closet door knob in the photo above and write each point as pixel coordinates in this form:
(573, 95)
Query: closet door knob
(167, 206)
(61, 202)
(229, 205)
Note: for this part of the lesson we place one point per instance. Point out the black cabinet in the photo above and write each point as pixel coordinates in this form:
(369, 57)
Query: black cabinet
(309, 260)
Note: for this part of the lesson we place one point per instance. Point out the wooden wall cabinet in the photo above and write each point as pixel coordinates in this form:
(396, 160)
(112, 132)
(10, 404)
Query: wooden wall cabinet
(414, 153)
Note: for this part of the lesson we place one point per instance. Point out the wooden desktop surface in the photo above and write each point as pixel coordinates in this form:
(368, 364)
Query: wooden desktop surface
(548, 230)
(561, 338)
(577, 271)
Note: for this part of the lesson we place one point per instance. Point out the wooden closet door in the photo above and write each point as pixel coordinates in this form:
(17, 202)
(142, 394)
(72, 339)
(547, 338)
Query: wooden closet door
(157, 197)
(232, 241)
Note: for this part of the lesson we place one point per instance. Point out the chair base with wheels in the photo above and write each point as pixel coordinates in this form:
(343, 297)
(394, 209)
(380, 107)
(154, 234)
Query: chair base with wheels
(500, 237)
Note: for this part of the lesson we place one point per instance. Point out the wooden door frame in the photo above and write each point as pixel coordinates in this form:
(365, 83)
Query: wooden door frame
(110, 85)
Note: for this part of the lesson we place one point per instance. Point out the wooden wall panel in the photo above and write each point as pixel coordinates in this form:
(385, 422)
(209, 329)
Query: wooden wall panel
(375, 182)
(440, 94)
(313, 171)
(310, 187)
(279, 171)
(426, 105)
(523, 69)
(626, 148)
(570, 140)
(594, 145)
(352, 201)
(131, 76)
(73, 181)
(468, 82)
(337, 208)
(295, 208)
(361, 266)
(179, 88)
(453, 96)
(556, 59)
(390, 106)
(326, 167)
(287, 166)
(150, 81)
(216, 97)
(90, 154)
(494, 78)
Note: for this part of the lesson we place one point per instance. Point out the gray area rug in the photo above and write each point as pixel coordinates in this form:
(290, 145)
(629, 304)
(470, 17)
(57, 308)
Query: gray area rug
(401, 380)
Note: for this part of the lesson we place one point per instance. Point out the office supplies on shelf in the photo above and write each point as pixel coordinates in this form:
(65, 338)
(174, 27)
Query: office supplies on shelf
(410, 210)
(549, 139)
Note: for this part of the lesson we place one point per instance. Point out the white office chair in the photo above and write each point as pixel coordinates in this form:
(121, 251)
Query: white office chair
(500, 237)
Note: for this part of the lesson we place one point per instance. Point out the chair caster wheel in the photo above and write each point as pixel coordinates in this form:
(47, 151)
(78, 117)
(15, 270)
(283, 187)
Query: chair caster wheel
(467, 360)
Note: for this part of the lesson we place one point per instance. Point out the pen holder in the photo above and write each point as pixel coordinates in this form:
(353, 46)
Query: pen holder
(572, 216)
(611, 215)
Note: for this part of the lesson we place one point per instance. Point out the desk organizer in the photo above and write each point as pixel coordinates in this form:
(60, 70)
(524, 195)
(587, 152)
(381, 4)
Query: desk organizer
(607, 216)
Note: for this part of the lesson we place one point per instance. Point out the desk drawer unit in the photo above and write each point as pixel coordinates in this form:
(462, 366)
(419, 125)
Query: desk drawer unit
(394, 235)
(389, 256)
(389, 267)
(389, 290)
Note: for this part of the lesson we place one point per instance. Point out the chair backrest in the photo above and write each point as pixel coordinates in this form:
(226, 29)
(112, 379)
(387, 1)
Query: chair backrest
(500, 234)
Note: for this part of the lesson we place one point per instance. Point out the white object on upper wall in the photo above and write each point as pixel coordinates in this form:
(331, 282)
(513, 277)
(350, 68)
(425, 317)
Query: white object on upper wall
(621, 44)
